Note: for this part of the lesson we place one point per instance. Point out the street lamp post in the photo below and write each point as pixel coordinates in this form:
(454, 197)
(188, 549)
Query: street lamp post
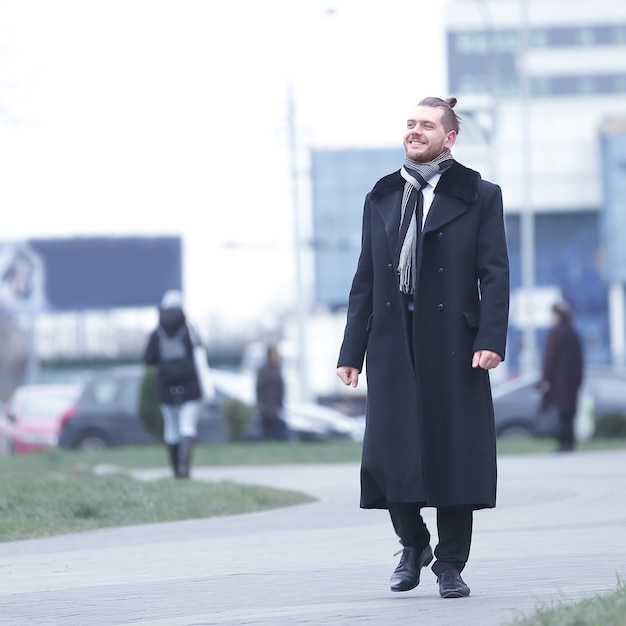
(529, 355)
(301, 312)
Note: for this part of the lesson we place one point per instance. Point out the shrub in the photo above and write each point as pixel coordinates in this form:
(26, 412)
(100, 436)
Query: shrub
(610, 425)
(149, 409)
(237, 416)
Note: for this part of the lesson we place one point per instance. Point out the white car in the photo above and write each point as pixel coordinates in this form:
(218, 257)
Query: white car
(307, 421)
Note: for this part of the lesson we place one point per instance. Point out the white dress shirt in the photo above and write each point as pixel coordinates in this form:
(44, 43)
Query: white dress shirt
(428, 193)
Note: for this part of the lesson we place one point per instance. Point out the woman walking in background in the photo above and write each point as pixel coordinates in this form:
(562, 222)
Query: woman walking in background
(178, 388)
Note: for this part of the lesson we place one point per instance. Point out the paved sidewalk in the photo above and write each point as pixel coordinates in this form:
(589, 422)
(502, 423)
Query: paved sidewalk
(558, 534)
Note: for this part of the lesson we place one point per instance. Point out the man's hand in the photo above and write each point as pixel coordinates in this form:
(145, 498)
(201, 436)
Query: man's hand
(349, 375)
(486, 359)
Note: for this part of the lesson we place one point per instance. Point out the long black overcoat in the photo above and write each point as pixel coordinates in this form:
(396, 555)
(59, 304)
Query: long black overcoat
(563, 366)
(430, 435)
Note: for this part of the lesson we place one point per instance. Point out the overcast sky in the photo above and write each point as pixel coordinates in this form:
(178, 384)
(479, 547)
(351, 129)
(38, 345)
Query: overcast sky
(142, 117)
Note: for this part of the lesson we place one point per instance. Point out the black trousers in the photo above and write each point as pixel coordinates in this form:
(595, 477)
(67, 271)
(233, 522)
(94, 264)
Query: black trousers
(274, 428)
(454, 529)
(567, 439)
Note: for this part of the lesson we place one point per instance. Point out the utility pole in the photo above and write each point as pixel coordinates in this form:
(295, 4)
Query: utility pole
(530, 358)
(299, 292)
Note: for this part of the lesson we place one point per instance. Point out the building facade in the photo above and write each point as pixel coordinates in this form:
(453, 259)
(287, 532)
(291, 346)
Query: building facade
(538, 83)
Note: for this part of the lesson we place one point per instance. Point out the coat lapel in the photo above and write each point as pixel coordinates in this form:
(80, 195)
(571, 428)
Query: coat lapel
(442, 211)
(387, 195)
(456, 191)
(390, 214)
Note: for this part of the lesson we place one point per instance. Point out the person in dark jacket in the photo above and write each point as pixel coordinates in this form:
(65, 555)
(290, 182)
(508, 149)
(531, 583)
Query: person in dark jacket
(270, 397)
(429, 306)
(563, 372)
(170, 347)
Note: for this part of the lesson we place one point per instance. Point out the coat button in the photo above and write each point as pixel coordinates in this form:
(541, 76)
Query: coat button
(440, 271)
(440, 235)
(388, 305)
(390, 267)
(440, 307)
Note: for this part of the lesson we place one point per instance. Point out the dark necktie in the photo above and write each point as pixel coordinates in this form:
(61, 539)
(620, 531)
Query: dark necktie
(415, 203)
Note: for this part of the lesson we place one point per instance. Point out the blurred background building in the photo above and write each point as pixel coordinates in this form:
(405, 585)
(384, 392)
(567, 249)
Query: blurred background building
(70, 304)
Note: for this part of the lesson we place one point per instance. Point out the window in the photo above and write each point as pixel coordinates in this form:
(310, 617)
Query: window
(105, 391)
(508, 40)
(471, 43)
(578, 85)
(538, 38)
(129, 395)
(617, 35)
(619, 84)
(482, 62)
(540, 86)
(587, 84)
(505, 41)
(586, 36)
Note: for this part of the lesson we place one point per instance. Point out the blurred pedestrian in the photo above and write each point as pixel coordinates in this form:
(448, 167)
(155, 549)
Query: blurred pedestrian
(563, 372)
(179, 393)
(429, 305)
(270, 397)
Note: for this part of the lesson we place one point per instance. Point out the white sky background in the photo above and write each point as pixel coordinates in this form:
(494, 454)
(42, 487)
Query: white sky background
(160, 117)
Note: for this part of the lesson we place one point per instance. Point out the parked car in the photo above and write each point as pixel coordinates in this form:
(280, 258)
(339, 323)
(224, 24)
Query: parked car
(31, 419)
(516, 403)
(307, 421)
(313, 422)
(107, 413)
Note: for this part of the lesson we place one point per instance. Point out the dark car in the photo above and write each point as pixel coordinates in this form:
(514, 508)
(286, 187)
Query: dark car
(107, 414)
(516, 403)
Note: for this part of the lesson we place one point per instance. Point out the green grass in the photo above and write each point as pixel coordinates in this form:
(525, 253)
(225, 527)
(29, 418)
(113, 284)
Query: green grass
(150, 456)
(540, 446)
(67, 503)
(602, 610)
(59, 491)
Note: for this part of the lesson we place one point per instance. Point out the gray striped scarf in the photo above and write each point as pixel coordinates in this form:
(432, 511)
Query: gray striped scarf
(412, 172)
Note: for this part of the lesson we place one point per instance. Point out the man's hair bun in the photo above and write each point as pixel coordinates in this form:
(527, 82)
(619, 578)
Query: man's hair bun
(451, 101)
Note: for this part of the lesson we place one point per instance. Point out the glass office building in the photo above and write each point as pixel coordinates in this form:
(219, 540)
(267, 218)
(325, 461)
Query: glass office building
(340, 181)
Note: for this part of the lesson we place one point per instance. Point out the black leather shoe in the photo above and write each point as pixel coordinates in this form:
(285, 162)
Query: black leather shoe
(407, 575)
(451, 584)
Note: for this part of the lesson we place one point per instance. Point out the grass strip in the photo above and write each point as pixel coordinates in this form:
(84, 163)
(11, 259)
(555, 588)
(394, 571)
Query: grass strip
(602, 610)
(59, 491)
(68, 503)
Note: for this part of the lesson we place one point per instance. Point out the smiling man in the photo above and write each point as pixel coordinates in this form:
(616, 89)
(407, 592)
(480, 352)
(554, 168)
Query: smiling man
(428, 308)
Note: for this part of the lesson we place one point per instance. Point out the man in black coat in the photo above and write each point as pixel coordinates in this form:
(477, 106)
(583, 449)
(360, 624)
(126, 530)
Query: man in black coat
(563, 371)
(429, 306)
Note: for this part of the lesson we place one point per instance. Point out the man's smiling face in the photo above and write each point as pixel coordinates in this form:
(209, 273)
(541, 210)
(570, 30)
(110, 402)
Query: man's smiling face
(425, 137)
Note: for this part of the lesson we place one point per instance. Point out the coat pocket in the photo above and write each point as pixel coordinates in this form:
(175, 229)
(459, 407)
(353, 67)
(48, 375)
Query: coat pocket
(472, 318)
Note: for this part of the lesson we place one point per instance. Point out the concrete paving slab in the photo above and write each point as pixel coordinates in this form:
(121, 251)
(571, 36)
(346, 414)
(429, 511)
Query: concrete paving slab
(558, 534)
